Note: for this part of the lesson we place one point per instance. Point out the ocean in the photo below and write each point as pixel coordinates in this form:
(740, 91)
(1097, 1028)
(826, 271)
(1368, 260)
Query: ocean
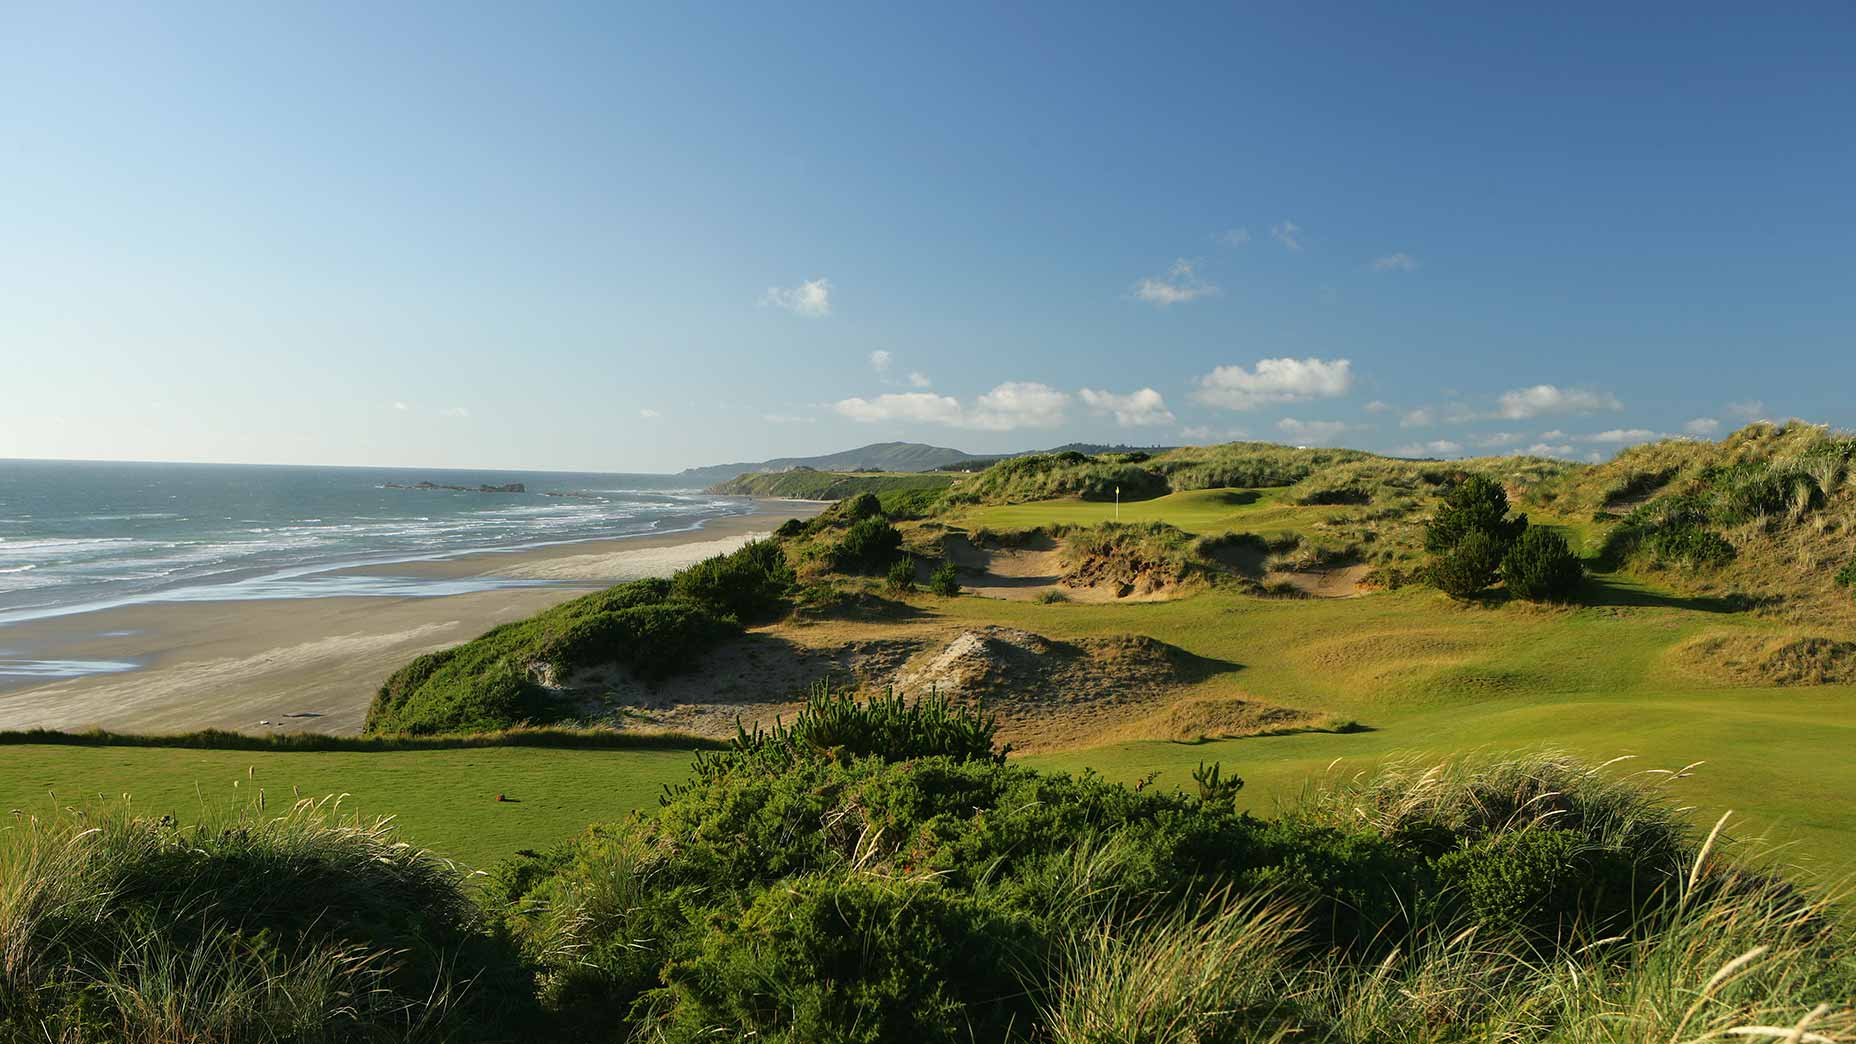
(77, 536)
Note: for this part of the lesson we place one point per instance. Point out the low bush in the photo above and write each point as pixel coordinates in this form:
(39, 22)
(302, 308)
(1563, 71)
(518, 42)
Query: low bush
(1541, 568)
(1477, 504)
(945, 580)
(1468, 567)
(1691, 545)
(1846, 576)
(749, 584)
(305, 926)
(901, 578)
(869, 545)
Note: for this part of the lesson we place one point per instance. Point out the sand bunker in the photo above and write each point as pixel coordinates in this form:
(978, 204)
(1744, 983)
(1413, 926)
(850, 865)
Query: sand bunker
(1046, 692)
(1767, 659)
(1214, 718)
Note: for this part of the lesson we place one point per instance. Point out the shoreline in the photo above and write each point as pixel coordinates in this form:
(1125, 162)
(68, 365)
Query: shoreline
(312, 664)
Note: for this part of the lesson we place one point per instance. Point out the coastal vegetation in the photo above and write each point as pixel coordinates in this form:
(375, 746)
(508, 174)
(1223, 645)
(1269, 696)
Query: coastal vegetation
(915, 492)
(880, 871)
(1400, 897)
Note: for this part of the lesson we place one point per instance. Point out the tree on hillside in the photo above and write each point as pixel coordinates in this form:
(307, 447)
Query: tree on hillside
(1541, 568)
(1476, 504)
(1467, 568)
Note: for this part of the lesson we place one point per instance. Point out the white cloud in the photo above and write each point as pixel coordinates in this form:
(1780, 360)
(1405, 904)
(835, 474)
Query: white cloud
(1014, 404)
(1497, 438)
(1019, 404)
(787, 418)
(1542, 399)
(402, 407)
(1235, 236)
(1313, 432)
(1422, 417)
(1399, 262)
(880, 360)
(1180, 284)
(1622, 436)
(1702, 426)
(1434, 448)
(919, 379)
(1141, 409)
(1275, 380)
(1751, 409)
(649, 414)
(1551, 435)
(455, 411)
(811, 299)
(1377, 406)
(1542, 449)
(1289, 234)
(1204, 434)
(921, 407)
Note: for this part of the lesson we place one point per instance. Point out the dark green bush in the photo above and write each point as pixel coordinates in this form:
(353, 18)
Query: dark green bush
(1688, 544)
(1468, 567)
(869, 545)
(1847, 575)
(849, 958)
(1544, 882)
(1474, 505)
(945, 580)
(1541, 568)
(748, 584)
(859, 507)
(901, 577)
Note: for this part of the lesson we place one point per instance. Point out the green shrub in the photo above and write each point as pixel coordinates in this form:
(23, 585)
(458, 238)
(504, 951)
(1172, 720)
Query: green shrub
(1691, 545)
(748, 584)
(1847, 575)
(869, 545)
(302, 926)
(945, 580)
(1544, 882)
(1052, 597)
(1541, 568)
(1469, 566)
(901, 579)
(1474, 505)
(859, 507)
(849, 958)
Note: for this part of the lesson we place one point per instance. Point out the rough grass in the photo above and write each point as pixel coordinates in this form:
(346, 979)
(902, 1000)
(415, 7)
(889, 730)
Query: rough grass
(1743, 658)
(298, 924)
(808, 484)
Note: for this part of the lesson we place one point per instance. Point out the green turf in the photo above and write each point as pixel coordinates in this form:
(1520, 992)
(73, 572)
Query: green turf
(443, 799)
(1421, 672)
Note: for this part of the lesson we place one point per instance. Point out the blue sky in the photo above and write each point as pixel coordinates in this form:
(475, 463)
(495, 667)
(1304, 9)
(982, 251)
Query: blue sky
(642, 237)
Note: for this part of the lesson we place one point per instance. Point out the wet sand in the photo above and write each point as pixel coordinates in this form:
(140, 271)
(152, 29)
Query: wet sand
(313, 664)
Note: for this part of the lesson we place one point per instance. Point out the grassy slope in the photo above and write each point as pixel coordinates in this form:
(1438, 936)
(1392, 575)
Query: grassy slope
(444, 799)
(830, 485)
(1422, 672)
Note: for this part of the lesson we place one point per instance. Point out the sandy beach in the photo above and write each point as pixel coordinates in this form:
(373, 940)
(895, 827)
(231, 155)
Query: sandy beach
(313, 664)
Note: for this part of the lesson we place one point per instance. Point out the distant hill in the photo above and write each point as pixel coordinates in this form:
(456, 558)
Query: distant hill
(885, 456)
(878, 456)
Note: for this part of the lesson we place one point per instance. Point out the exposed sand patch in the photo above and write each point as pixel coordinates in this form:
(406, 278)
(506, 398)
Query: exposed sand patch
(1034, 569)
(1211, 718)
(1767, 659)
(1334, 582)
(1047, 693)
(285, 686)
(626, 564)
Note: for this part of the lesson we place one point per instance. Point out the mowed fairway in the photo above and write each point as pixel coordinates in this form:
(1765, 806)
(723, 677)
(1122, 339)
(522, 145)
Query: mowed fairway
(1419, 672)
